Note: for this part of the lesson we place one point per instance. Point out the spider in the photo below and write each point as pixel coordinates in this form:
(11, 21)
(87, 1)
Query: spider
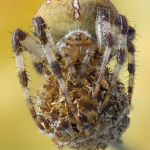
(81, 104)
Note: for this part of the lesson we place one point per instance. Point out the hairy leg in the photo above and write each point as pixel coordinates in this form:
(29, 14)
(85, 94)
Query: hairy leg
(131, 68)
(109, 43)
(123, 24)
(85, 63)
(17, 37)
(65, 55)
(43, 32)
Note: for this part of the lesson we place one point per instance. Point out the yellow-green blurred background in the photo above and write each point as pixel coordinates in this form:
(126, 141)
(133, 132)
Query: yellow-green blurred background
(17, 129)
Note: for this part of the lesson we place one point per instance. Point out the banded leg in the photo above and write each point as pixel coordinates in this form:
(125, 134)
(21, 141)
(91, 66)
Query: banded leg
(38, 64)
(32, 45)
(131, 68)
(43, 32)
(35, 49)
(18, 36)
(131, 33)
(122, 22)
(65, 54)
(99, 30)
(109, 43)
(86, 61)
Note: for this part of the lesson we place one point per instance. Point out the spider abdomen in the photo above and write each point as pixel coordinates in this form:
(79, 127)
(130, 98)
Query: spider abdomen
(60, 15)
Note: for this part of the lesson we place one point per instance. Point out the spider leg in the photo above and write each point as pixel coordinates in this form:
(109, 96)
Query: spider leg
(99, 30)
(39, 65)
(65, 54)
(86, 61)
(32, 45)
(131, 68)
(109, 43)
(35, 50)
(122, 22)
(49, 47)
(18, 36)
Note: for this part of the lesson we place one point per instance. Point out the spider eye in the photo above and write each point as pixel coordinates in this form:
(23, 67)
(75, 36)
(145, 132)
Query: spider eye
(69, 38)
(87, 38)
(78, 39)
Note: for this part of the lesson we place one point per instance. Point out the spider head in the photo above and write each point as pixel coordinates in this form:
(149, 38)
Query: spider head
(76, 44)
(78, 39)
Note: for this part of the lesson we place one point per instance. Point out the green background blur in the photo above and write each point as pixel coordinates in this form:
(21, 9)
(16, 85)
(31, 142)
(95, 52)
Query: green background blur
(17, 129)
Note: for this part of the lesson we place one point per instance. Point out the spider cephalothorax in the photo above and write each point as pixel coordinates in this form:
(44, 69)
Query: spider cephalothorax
(77, 46)
(81, 103)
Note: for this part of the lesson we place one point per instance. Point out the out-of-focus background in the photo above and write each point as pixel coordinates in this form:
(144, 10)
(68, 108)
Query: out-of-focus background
(17, 129)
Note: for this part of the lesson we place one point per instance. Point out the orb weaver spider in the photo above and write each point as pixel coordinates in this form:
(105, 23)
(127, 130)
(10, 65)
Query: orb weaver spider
(82, 104)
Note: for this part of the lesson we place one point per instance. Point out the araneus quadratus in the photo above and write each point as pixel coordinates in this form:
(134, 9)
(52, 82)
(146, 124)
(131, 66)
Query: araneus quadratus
(81, 104)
